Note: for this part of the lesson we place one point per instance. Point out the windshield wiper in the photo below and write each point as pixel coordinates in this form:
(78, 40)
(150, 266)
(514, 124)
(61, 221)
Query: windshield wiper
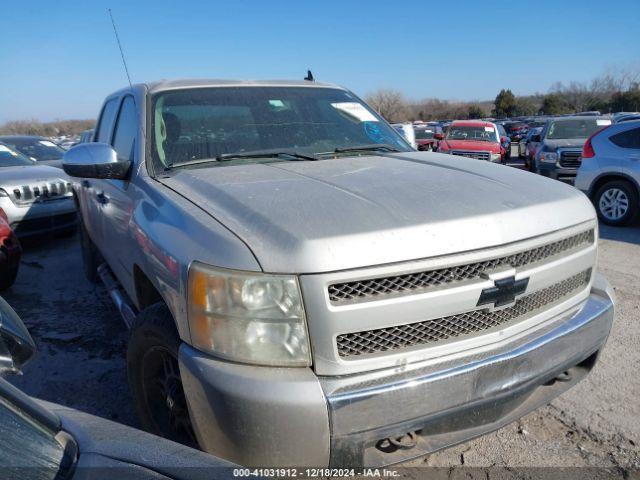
(372, 147)
(262, 154)
(225, 157)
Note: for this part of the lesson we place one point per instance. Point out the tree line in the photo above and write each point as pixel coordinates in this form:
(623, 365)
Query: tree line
(55, 128)
(613, 91)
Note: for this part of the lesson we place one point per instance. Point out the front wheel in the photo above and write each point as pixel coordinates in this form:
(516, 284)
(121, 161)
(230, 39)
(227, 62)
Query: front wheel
(617, 203)
(154, 376)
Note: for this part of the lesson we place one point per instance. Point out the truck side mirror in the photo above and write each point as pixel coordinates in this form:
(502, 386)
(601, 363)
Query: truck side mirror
(95, 160)
(16, 345)
(503, 139)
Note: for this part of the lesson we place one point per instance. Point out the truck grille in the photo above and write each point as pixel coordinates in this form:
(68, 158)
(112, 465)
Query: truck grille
(570, 159)
(472, 154)
(439, 329)
(43, 191)
(364, 290)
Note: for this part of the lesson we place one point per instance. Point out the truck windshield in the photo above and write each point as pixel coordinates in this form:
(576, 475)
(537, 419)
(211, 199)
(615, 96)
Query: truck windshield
(575, 128)
(460, 132)
(209, 123)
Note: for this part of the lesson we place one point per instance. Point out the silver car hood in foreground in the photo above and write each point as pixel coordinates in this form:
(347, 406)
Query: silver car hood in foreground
(28, 174)
(350, 212)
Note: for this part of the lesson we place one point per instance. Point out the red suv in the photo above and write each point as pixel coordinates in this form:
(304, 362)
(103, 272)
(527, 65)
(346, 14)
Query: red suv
(474, 139)
(10, 252)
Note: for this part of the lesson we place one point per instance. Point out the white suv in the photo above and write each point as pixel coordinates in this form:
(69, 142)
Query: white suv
(610, 172)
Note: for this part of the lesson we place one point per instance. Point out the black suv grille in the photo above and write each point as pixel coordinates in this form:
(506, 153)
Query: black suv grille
(570, 159)
(363, 290)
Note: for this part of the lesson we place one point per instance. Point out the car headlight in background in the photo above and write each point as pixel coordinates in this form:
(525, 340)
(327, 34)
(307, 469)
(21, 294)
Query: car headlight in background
(247, 317)
(549, 157)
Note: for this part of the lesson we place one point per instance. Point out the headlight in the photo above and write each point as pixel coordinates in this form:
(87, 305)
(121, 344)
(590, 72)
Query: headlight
(247, 317)
(495, 157)
(549, 157)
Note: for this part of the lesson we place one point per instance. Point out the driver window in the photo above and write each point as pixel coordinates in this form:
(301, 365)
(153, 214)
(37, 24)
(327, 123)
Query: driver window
(124, 137)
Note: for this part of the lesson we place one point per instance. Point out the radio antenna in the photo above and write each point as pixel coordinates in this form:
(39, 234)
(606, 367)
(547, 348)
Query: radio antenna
(124, 62)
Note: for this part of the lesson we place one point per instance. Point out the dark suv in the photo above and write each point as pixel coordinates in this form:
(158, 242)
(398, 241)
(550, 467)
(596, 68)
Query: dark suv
(561, 140)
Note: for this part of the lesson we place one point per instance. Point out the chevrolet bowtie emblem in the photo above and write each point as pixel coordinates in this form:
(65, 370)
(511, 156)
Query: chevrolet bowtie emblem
(504, 292)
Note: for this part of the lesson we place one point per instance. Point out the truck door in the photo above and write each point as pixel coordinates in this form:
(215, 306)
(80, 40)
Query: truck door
(88, 187)
(116, 196)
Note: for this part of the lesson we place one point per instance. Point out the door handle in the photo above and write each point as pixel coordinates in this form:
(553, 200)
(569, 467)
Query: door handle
(634, 157)
(102, 198)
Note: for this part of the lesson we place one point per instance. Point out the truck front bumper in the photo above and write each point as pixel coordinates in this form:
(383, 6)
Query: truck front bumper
(289, 417)
(552, 170)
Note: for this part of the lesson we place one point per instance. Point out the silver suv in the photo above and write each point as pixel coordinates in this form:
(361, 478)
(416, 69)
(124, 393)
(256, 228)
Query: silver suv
(303, 288)
(610, 172)
(37, 199)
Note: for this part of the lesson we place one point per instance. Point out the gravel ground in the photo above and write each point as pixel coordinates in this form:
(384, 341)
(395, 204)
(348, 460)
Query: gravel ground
(81, 341)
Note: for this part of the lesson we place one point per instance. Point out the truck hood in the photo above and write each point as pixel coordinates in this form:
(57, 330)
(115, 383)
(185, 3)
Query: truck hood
(350, 212)
(473, 145)
(28, 174)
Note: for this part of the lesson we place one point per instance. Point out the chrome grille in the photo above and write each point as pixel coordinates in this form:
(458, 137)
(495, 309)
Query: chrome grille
(472, 154)
(439, 329)
(569, 159)
(363, 290)
(41, 191)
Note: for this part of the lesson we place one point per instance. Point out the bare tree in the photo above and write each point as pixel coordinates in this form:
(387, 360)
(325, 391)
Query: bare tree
(391, 104)
(46, 129)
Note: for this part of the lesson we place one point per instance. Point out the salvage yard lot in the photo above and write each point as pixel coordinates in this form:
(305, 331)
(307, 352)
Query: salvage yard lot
(81, 342)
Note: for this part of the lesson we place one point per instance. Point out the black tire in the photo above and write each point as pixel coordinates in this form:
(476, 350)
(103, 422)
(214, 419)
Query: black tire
(617, 203)
(91, 258)
(154, 376)
(8, 278)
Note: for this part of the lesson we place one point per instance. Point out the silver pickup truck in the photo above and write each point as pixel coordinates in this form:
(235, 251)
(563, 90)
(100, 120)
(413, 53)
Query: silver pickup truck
(303, 288)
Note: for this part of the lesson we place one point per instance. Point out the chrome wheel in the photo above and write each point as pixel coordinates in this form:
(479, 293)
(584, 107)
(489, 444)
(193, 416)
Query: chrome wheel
(613, 204)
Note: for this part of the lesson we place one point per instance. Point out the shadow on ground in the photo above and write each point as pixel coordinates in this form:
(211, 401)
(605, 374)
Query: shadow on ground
(629, 234)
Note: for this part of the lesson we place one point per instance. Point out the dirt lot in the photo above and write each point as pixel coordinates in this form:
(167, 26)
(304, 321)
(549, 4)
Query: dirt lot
(81, 341)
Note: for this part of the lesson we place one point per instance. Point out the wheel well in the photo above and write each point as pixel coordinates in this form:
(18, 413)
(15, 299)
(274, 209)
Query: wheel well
(146, 292)
(610, 178)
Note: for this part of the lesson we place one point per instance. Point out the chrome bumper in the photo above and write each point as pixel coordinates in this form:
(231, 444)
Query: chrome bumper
(289, 417)
(449, 404)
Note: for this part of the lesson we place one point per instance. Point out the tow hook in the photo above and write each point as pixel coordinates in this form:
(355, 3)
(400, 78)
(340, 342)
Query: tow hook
(406, 441)
(563, 377)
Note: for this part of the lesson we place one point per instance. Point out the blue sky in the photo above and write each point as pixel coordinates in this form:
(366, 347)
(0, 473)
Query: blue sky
(59, 59)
